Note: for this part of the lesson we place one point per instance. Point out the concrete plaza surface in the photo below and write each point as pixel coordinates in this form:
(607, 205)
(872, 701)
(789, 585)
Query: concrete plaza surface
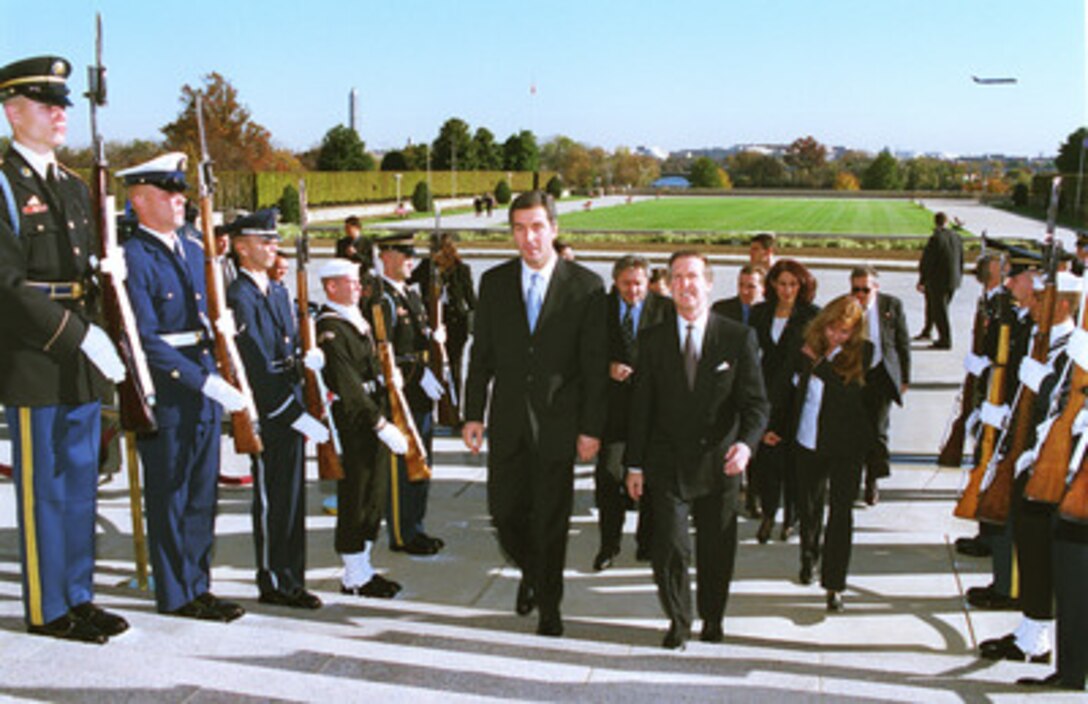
(451, 635)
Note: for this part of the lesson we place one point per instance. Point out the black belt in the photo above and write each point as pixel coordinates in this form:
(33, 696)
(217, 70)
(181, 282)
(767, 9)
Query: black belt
(284, 365)
(59, 290)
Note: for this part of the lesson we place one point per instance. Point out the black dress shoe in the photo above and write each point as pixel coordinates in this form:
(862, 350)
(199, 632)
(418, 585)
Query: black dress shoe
(712, 633)
(419, 545)
(438, 543)
(550, 625)
(642, 554)
(805, 577)
(68, 628)
(940, 346)
(921, 336)
(675, 639)
(834, 601)
(1053, 680)
(108, 623)
(973, 547)
(787, 531)
(990, 600)
(205, 608)
(1007, 649)
(766, 526)
(526, 600)
(301, 599)
(604, 558)
(377, 588)
(872, 493)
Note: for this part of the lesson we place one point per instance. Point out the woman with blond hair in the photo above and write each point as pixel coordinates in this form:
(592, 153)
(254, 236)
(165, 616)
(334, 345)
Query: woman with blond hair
(831, 433)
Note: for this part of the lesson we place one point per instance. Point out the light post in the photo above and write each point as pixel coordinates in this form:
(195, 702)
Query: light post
(1080, 175)
(398, 178)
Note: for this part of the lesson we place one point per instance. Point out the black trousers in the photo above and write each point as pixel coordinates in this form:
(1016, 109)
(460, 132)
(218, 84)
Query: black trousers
(279, 510)
(878, 402)
(815, 472)
(1033, 533)
(1070, 562)
(362, 494)
(937, 301)
(613, 502)
(776, 478)
(530, 501)
(715, 517)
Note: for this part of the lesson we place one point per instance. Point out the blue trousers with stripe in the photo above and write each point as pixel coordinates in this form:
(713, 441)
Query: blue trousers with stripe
(55, 467)
(279, 510)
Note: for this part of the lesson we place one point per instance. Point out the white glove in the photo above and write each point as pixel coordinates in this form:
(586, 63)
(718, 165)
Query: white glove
(99, 348)
(311, 428)
(1077, 348)
(975, 364)
(115, 266)
(217, 389)
(393, 439)
(439, 334)
(995, 416)
(1080, 423)
(1025, 461)
(225, 325)
(398, 378)
(431, 385)
(1032, 373)
(314, 360)
(971, 425)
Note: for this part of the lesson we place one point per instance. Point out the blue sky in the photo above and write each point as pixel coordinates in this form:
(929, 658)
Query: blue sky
(675, 74)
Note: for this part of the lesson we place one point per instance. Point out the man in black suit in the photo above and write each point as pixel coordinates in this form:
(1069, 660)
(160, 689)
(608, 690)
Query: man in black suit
(939, 273)
(698, 411)
(749, 293)
(631, 309)
(885, 325)
(540, 346)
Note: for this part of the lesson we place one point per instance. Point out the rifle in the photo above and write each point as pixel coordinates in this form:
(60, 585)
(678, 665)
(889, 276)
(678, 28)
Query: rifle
(995, 500)
(967, 506)
(136, 394)
(448, 412)
(399, 412)
(244, 423)
(316, 395)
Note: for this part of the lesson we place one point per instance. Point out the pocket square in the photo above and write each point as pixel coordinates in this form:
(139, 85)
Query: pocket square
(722, 367)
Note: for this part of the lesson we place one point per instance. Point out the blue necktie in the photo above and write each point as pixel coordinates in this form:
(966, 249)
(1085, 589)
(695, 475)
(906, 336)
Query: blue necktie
(535, 300)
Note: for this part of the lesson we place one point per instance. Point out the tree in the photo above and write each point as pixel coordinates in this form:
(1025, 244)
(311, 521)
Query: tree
(846, 181)
(416, 154)
(395, 161)
(290, 208)
(704, 174)
(751, 169)
(421, 198)
(486, 153)
(520, 152)
(570, 159)
(806, 154)
(235, 141)
(502, 192)
(555, 187)
(1068, 160)
(342, 150)
(453, 142)
(883, 174)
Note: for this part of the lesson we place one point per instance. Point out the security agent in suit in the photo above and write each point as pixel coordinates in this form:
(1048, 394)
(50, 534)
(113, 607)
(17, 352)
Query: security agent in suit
(749, 293)
(940, 271)
(353, 374)
(181, 460)
(540, 347)
(407, 327)
(631, 309)
(268, 342)
(54, 361)
(885, 325)
(698, 411)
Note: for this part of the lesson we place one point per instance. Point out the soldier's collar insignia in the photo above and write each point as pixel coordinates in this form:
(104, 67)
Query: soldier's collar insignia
(25, 172)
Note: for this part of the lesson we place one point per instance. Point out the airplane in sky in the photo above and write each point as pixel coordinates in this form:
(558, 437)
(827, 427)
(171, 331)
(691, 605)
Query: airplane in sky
(993, 81)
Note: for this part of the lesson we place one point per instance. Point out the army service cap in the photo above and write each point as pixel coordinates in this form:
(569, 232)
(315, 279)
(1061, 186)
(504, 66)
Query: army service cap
(41, 78)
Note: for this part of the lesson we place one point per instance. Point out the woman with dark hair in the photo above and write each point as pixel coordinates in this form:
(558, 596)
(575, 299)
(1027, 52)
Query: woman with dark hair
(779, 323)
(831, 431)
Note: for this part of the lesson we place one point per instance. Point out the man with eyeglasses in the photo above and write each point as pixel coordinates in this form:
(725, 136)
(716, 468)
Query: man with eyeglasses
(885, 325)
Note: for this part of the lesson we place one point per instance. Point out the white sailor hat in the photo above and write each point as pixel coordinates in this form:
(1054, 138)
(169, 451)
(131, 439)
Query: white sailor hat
(335, 268)
(1068, 282)
(166, 172)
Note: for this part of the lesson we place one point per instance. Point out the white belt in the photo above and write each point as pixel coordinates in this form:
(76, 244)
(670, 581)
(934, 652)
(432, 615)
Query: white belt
(184, 339)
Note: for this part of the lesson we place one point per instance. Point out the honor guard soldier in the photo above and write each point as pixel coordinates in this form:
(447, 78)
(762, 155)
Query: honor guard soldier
(181, 461)
(406, 322)
(52, 357)
(268, 342)
(353, 373)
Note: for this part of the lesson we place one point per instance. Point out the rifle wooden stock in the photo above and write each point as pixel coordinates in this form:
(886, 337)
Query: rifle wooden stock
(314, 392)
(1074, 505)
(448, 412)
(967, 506)
(399, 412)
(994, 501)
(951, 454)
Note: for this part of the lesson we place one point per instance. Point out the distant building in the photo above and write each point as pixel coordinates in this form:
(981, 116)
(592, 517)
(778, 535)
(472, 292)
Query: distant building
(671, 182)
(655, 152)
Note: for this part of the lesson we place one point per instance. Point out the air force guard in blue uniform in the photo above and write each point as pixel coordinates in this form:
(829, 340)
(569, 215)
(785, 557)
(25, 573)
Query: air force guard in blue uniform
(181, 461)
(268, 341)
(52, 357)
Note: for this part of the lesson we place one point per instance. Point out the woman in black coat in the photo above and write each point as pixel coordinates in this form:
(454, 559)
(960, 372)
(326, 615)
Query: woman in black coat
(779, 323)
(831, 432)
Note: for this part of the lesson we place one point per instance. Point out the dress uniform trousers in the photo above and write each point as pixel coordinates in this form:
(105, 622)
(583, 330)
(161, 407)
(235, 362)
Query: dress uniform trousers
(407, 504)
(279, 509)
(55, 461)
(1070, 583)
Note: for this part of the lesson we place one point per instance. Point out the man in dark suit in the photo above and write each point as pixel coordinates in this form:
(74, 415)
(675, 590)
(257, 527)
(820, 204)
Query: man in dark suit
(540, 346)
(181, 461)
(698, 411)
(268, 341)
(885, 325)
(939, 273)
(749, 293)
(631, 309)
(54, 360)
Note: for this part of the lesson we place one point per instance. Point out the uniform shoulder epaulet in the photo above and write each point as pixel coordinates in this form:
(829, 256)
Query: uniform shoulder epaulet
(195, 240)
(69, 171)
(325, 336)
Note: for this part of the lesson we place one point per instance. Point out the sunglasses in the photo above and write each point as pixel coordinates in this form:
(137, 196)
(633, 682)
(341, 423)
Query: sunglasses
(861, 289)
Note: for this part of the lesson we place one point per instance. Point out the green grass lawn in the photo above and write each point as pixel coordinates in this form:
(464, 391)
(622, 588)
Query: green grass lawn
(781, 215)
